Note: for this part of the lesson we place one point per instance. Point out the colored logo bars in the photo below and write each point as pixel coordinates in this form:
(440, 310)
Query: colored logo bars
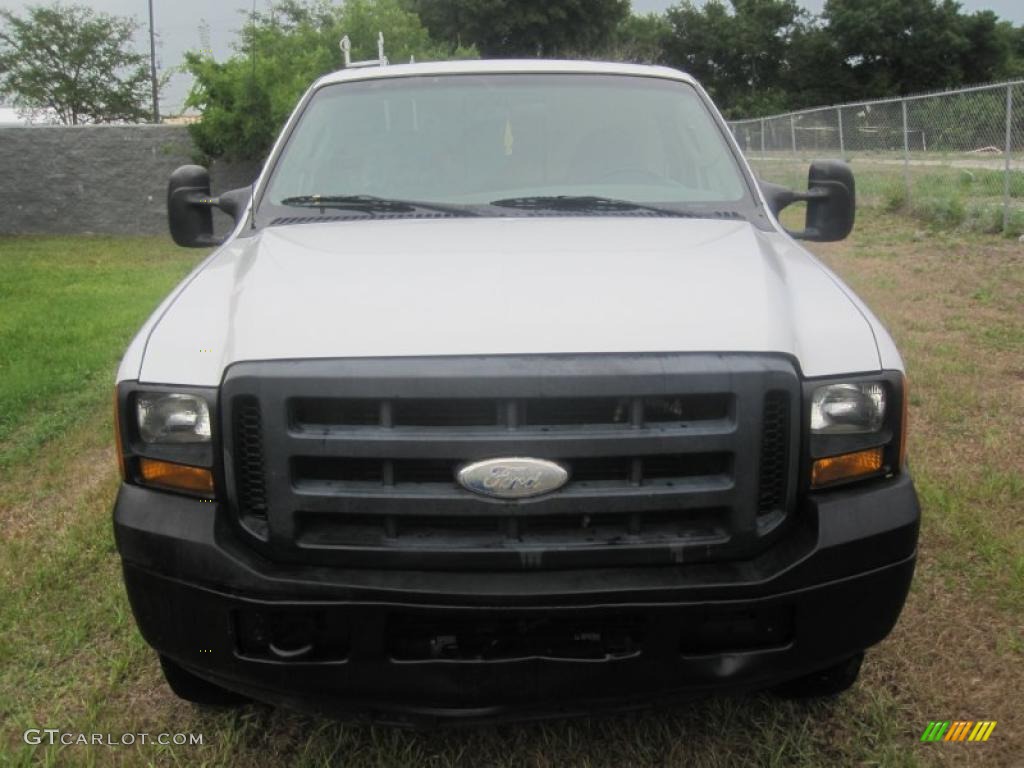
(958, 730)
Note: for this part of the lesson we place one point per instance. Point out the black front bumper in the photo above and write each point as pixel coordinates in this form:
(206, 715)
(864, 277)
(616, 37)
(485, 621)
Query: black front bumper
(381, 640)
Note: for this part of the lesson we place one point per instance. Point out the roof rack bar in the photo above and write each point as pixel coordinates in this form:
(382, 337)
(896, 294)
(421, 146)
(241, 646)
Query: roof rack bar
(346, 51)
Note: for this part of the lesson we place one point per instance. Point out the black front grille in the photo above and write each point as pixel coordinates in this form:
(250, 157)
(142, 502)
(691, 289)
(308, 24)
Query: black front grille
(671, 458)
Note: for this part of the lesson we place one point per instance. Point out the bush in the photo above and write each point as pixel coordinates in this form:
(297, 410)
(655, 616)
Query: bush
(1015, 225)
(894, 197)
(941, 212)
(984, 218)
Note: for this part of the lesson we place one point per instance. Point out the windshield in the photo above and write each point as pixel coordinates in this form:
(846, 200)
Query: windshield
(476, 140)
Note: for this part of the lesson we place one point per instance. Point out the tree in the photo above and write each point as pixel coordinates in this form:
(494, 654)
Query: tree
(639, 39)
(989, 48)
(247, 99)
(73, 65)
(816, 73)
(739, 54)
(891, 47)
(1014, 66)
(501, 28)
(759, 57)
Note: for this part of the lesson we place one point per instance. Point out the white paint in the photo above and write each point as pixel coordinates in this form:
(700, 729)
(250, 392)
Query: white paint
(507, 286)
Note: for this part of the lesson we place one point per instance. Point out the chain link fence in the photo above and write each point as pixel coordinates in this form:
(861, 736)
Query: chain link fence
(953, 158)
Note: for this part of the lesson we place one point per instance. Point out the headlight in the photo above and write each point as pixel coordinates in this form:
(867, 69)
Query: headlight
(848, 408)
(856, 428)
(172, 418)
(165, 437)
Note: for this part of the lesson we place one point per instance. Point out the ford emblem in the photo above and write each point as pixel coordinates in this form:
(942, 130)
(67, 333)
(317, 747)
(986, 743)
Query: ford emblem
(513, 478)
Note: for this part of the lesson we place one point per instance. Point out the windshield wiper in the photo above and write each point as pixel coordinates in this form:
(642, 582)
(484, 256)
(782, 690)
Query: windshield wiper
(371, 204)
(583, 204)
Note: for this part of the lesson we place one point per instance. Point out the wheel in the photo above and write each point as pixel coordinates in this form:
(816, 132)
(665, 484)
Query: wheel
(191, 688)
(830, 681)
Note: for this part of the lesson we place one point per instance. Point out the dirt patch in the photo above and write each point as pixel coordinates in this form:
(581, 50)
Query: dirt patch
(40, 500)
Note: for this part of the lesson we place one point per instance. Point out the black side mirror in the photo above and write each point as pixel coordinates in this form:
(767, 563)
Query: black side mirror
(190, 206)
(831, 201)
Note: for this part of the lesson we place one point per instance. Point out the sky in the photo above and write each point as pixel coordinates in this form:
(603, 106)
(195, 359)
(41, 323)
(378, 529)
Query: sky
(178, 25)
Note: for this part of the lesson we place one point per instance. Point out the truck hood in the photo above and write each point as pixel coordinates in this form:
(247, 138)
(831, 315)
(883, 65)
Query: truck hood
(506, 286)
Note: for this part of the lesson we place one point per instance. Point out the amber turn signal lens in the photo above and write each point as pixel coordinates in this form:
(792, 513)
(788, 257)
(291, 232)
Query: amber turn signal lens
(849, 466)
(178, 477)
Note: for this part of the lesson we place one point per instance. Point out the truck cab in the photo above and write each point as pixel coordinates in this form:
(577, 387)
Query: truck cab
(509, 395)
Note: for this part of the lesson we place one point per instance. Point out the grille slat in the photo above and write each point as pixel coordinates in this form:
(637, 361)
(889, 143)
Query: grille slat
(461, 444)
(620, 471)
(323, 414)
(687, 493)
(462, 532)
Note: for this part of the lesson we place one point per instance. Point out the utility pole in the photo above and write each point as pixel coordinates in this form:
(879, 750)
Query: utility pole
(152, 66)
(252, 23)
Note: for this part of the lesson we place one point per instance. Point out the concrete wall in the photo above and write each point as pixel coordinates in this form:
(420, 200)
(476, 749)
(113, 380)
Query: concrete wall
(98, 179)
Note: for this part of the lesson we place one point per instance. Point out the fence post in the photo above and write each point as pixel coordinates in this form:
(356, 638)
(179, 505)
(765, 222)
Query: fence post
(792, 131)
(762, 138)
(839, 121)
(906, 151)
(1009, 148)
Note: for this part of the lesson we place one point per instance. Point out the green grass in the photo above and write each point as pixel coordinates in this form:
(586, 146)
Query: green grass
(69, 307)
(71, 657)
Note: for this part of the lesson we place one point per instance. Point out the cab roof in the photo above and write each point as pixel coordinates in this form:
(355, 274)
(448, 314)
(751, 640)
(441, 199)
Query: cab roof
(497, 66)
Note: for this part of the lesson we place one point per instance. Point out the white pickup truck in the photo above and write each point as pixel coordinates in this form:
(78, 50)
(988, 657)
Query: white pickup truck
(509, 395)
